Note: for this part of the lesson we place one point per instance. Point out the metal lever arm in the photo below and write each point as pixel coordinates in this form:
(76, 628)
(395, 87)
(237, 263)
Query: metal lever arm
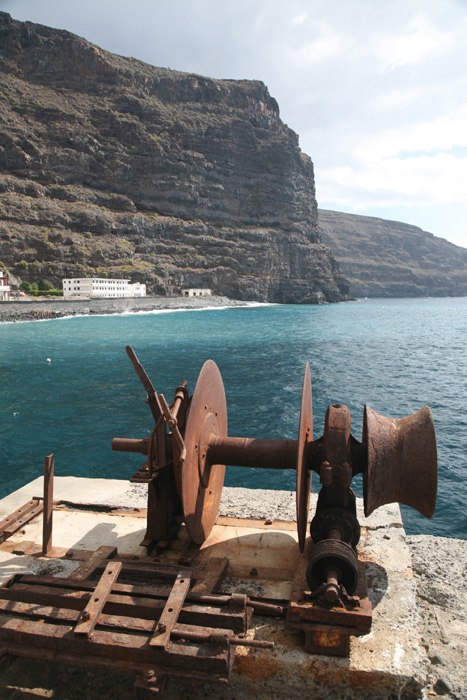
(171, 420)
(152, 399)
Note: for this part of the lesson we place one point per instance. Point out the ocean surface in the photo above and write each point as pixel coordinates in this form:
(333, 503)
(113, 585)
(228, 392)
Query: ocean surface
(396, 355)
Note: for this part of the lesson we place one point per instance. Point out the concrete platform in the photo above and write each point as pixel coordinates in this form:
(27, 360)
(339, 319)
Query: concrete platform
(389, 662)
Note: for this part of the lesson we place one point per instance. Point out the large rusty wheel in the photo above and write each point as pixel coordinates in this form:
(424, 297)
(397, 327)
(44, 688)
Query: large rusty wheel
(202, 482)
(305, 437)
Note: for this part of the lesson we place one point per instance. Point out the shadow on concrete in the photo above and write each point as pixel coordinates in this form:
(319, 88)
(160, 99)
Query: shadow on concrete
(106, 534)
(377, 582)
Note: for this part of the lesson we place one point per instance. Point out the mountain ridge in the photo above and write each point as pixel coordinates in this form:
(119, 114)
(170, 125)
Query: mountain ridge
(384, 258)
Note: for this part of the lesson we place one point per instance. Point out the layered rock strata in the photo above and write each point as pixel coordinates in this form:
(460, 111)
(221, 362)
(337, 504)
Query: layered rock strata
(383, 258)
(113, 167)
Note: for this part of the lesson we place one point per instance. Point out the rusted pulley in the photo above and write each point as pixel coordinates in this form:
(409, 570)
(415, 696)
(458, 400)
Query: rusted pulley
(402, 463)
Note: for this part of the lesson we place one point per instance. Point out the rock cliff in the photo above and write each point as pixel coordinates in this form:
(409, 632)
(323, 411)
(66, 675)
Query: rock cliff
(388, 259)
(109, 166)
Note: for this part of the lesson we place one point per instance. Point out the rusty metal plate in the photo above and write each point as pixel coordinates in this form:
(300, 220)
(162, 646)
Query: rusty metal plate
(202, 482)
(336, 438)
(171, 611)
(402, 461)
(97, 601)
(87, 568)
(303, 477)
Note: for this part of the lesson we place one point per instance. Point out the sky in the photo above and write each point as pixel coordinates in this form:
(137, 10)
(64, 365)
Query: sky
(375, 89)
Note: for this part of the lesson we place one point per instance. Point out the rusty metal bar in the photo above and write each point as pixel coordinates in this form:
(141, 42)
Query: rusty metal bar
(131, 445)
(19, 518)
(47, 523)
(180, 394)
(97, 558)
(253, 452)
(171, 610)
(93, 609)
(152, 398)
(254, 643)
(269, 609)
(141, 595)
(187, 632)
(171, 421)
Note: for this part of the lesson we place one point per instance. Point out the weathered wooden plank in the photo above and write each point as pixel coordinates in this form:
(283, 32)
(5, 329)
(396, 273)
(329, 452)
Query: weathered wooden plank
(265, 524)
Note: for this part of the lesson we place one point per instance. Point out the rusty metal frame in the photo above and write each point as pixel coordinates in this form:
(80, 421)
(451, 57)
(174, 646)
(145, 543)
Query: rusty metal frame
(155, 632)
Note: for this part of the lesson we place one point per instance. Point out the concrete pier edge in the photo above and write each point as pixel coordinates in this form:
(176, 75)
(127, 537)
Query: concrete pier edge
(416, 648)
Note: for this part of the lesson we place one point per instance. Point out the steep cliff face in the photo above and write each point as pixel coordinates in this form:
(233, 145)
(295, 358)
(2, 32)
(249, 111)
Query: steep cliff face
(389, 259)
(111, 166)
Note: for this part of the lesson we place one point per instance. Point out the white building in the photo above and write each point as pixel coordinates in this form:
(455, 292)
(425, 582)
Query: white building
(4, 287)
(196, 293)
(103, 288)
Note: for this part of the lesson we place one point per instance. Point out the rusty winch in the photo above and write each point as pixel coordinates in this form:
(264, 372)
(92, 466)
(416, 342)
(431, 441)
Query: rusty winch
(172, 612)
(189, 447)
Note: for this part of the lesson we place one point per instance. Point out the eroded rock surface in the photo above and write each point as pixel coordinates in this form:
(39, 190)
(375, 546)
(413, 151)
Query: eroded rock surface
(110, 166)
(383, 258)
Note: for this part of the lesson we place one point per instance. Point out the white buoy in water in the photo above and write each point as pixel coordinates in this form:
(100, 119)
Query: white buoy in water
(49, 360)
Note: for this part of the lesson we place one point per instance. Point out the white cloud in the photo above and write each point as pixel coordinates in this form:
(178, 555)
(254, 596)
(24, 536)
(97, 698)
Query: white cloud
(440, 134)
(327, 44)
(402, 97)
(422, 40)
(420, 181)
(299, 19)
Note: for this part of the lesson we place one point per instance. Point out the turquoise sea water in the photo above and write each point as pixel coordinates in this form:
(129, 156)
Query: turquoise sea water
(396, 355)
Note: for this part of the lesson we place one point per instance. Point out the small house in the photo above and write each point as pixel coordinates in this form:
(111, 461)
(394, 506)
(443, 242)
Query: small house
(196, 292)
(4, 287)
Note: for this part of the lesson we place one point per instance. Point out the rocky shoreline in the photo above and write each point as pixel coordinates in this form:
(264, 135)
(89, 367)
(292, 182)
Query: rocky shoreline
(57, 307)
